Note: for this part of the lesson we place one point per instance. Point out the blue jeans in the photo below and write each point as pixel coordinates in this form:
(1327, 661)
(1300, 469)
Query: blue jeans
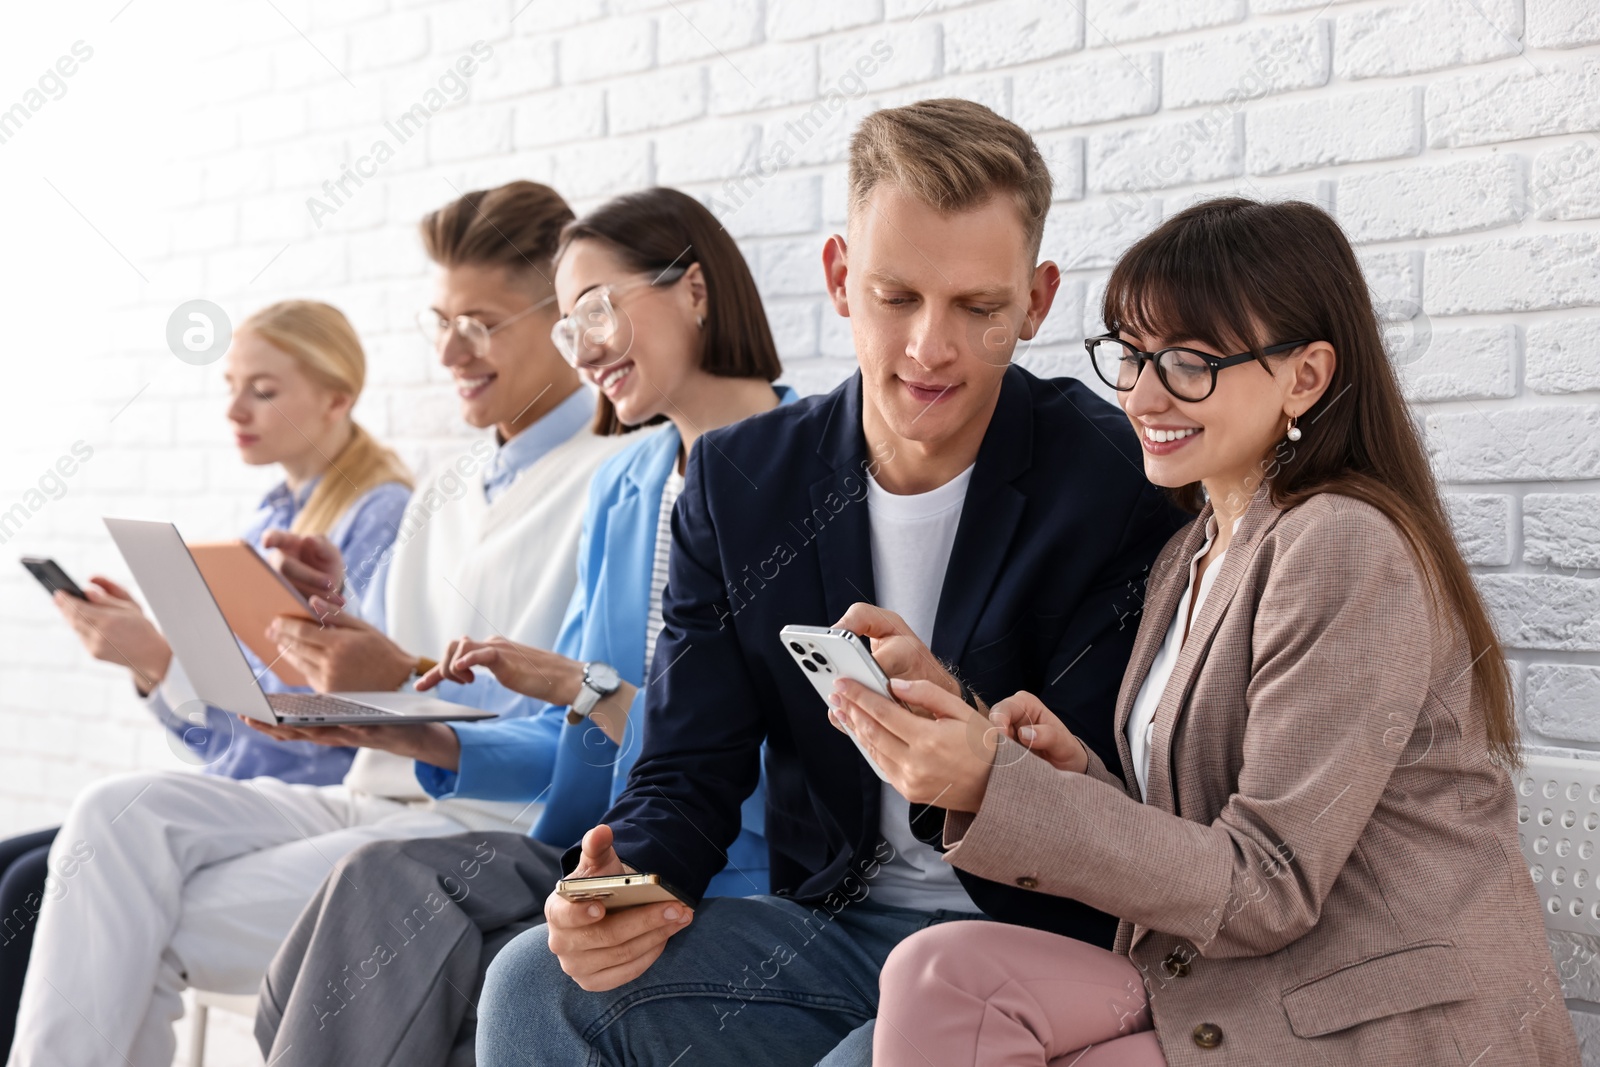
(754, 980)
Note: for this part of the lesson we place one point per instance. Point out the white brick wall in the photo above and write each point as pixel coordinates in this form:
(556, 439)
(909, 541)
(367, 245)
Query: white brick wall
(1458, 142)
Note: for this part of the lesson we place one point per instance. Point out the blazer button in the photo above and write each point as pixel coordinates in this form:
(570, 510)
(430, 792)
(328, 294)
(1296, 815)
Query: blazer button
(1028, 881)
(1176, 965)
(1208, 1035)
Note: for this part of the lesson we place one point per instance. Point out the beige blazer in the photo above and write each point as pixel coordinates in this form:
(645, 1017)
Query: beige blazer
(1326, 870)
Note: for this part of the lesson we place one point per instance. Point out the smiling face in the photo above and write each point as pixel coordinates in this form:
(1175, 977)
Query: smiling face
(279, 414)
(520, 376)
(937, 302)
(1227, 439)
(653, 354)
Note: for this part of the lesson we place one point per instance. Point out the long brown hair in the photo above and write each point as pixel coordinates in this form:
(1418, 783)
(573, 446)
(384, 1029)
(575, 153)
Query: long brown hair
(1241, 275)
(659, 228)
(323, 342)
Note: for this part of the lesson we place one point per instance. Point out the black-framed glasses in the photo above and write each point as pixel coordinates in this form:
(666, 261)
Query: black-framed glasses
(1186, 373)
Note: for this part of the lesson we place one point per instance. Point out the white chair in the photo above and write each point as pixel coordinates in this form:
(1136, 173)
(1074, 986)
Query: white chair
(238, 1004)
(1558, 819)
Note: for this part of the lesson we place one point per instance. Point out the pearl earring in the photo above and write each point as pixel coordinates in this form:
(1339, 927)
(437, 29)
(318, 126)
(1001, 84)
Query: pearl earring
(1294, 431)
(700, 320)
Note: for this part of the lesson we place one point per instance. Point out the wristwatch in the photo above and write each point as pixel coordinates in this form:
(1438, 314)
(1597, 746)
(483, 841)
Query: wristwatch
(600, 680)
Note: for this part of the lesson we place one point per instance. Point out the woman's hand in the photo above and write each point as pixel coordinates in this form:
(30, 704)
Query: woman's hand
(545, 676)
(429, 742)
(113, 628)
(1024, 718)
(310, 562)
(934, 750)
(341, 652)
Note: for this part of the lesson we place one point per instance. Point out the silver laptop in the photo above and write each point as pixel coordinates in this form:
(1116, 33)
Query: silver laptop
(195, 628)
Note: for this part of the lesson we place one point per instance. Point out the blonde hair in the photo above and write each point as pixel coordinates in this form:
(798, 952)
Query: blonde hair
(952, 155)
(322, 341)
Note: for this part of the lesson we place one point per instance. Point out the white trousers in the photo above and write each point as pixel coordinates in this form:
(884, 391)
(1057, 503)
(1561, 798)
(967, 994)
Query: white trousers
(164, 880)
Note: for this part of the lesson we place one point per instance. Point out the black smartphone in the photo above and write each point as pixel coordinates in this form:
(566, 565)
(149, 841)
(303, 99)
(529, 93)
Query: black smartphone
(51, 576)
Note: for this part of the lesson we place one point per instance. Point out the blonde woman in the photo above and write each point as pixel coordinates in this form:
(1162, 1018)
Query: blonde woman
(294, 372)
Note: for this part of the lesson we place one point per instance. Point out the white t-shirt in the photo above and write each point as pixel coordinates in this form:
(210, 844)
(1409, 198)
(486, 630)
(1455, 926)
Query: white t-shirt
(1142, 717)
(911, 541)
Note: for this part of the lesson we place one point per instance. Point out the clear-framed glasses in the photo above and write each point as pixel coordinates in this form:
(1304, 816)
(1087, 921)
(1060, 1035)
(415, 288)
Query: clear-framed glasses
(594, 319)
(473, 333)
(1187, 374)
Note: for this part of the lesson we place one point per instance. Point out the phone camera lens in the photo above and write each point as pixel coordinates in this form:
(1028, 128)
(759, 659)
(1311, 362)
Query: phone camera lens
(812, 667)
(797, 649)
(818, 657)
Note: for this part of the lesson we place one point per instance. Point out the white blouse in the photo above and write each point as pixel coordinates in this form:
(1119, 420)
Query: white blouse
(1141, 720)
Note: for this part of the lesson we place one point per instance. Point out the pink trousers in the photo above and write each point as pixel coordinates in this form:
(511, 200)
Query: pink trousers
(989, 994)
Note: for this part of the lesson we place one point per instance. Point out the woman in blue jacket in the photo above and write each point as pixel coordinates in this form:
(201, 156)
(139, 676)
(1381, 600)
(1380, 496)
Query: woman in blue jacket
(664, 318)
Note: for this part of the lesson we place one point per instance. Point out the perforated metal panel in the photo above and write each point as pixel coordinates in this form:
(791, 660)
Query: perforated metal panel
(1558, 818)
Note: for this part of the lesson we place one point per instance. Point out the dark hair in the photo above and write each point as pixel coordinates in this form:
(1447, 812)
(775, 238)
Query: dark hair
(516, 226)
(1240, 275)
(659, 228)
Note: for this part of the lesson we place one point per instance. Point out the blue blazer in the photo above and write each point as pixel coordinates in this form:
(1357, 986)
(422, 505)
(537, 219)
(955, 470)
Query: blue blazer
(576, 770)
(1042, 593)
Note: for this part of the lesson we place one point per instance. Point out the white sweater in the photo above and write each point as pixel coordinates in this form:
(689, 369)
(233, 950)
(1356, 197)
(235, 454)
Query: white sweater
(464, 566)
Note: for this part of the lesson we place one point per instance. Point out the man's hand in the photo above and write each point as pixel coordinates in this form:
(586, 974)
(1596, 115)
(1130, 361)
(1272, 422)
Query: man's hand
(310, 562)
(341, 653)
(430, 742)
(602, 951)
(935, 750)
(546, 676)
(1024, 718)
(898, 651)
(113, 628)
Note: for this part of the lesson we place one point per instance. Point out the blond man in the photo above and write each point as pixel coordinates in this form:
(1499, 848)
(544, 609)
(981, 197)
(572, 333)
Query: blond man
(987, 529)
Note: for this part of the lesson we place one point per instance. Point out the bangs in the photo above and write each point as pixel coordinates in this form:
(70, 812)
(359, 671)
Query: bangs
(1190, 281)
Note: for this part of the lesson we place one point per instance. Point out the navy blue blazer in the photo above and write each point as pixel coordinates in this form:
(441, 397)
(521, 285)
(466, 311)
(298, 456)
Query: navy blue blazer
(1042, 593)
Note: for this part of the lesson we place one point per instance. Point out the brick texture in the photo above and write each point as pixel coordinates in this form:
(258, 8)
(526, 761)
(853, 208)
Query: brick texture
(1457, 142)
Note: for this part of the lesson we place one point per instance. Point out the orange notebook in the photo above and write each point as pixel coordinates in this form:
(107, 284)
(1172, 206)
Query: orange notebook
(251, 594)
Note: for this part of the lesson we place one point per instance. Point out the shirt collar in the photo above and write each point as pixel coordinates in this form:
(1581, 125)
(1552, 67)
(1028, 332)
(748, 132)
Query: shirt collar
(525, 449)
(281, 498)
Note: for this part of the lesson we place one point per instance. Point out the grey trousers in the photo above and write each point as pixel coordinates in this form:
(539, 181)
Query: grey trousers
(385, 965)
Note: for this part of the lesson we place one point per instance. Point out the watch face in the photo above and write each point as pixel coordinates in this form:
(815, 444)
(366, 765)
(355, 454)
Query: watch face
(602, 676)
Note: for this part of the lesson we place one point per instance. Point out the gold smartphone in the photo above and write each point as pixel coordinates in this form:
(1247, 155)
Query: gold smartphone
(618, 891)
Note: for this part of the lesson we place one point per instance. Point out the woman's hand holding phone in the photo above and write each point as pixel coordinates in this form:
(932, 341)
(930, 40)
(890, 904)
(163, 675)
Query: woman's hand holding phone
(929, 745)
(114, 629)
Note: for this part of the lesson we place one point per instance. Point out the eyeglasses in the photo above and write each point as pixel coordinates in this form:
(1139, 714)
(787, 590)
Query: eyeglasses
(1187, 374)
(594, 319)
(474, 334)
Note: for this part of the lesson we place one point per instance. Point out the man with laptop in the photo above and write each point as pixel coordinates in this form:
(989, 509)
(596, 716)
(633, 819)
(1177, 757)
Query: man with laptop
(194, 881)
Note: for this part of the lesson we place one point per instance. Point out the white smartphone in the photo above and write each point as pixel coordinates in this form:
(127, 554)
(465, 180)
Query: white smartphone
(824, 655)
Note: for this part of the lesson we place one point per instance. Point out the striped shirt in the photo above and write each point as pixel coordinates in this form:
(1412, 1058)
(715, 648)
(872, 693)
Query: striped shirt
(658, 570)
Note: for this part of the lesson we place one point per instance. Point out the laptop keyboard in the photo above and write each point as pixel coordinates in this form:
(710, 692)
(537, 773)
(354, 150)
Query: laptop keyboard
(321, 706)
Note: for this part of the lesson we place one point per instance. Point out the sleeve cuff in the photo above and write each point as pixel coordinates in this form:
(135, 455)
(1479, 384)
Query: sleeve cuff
(173, 692)
(437, 782)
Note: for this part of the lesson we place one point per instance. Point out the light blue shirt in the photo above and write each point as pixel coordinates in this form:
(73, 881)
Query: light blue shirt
(511, 458)
(209, 736)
